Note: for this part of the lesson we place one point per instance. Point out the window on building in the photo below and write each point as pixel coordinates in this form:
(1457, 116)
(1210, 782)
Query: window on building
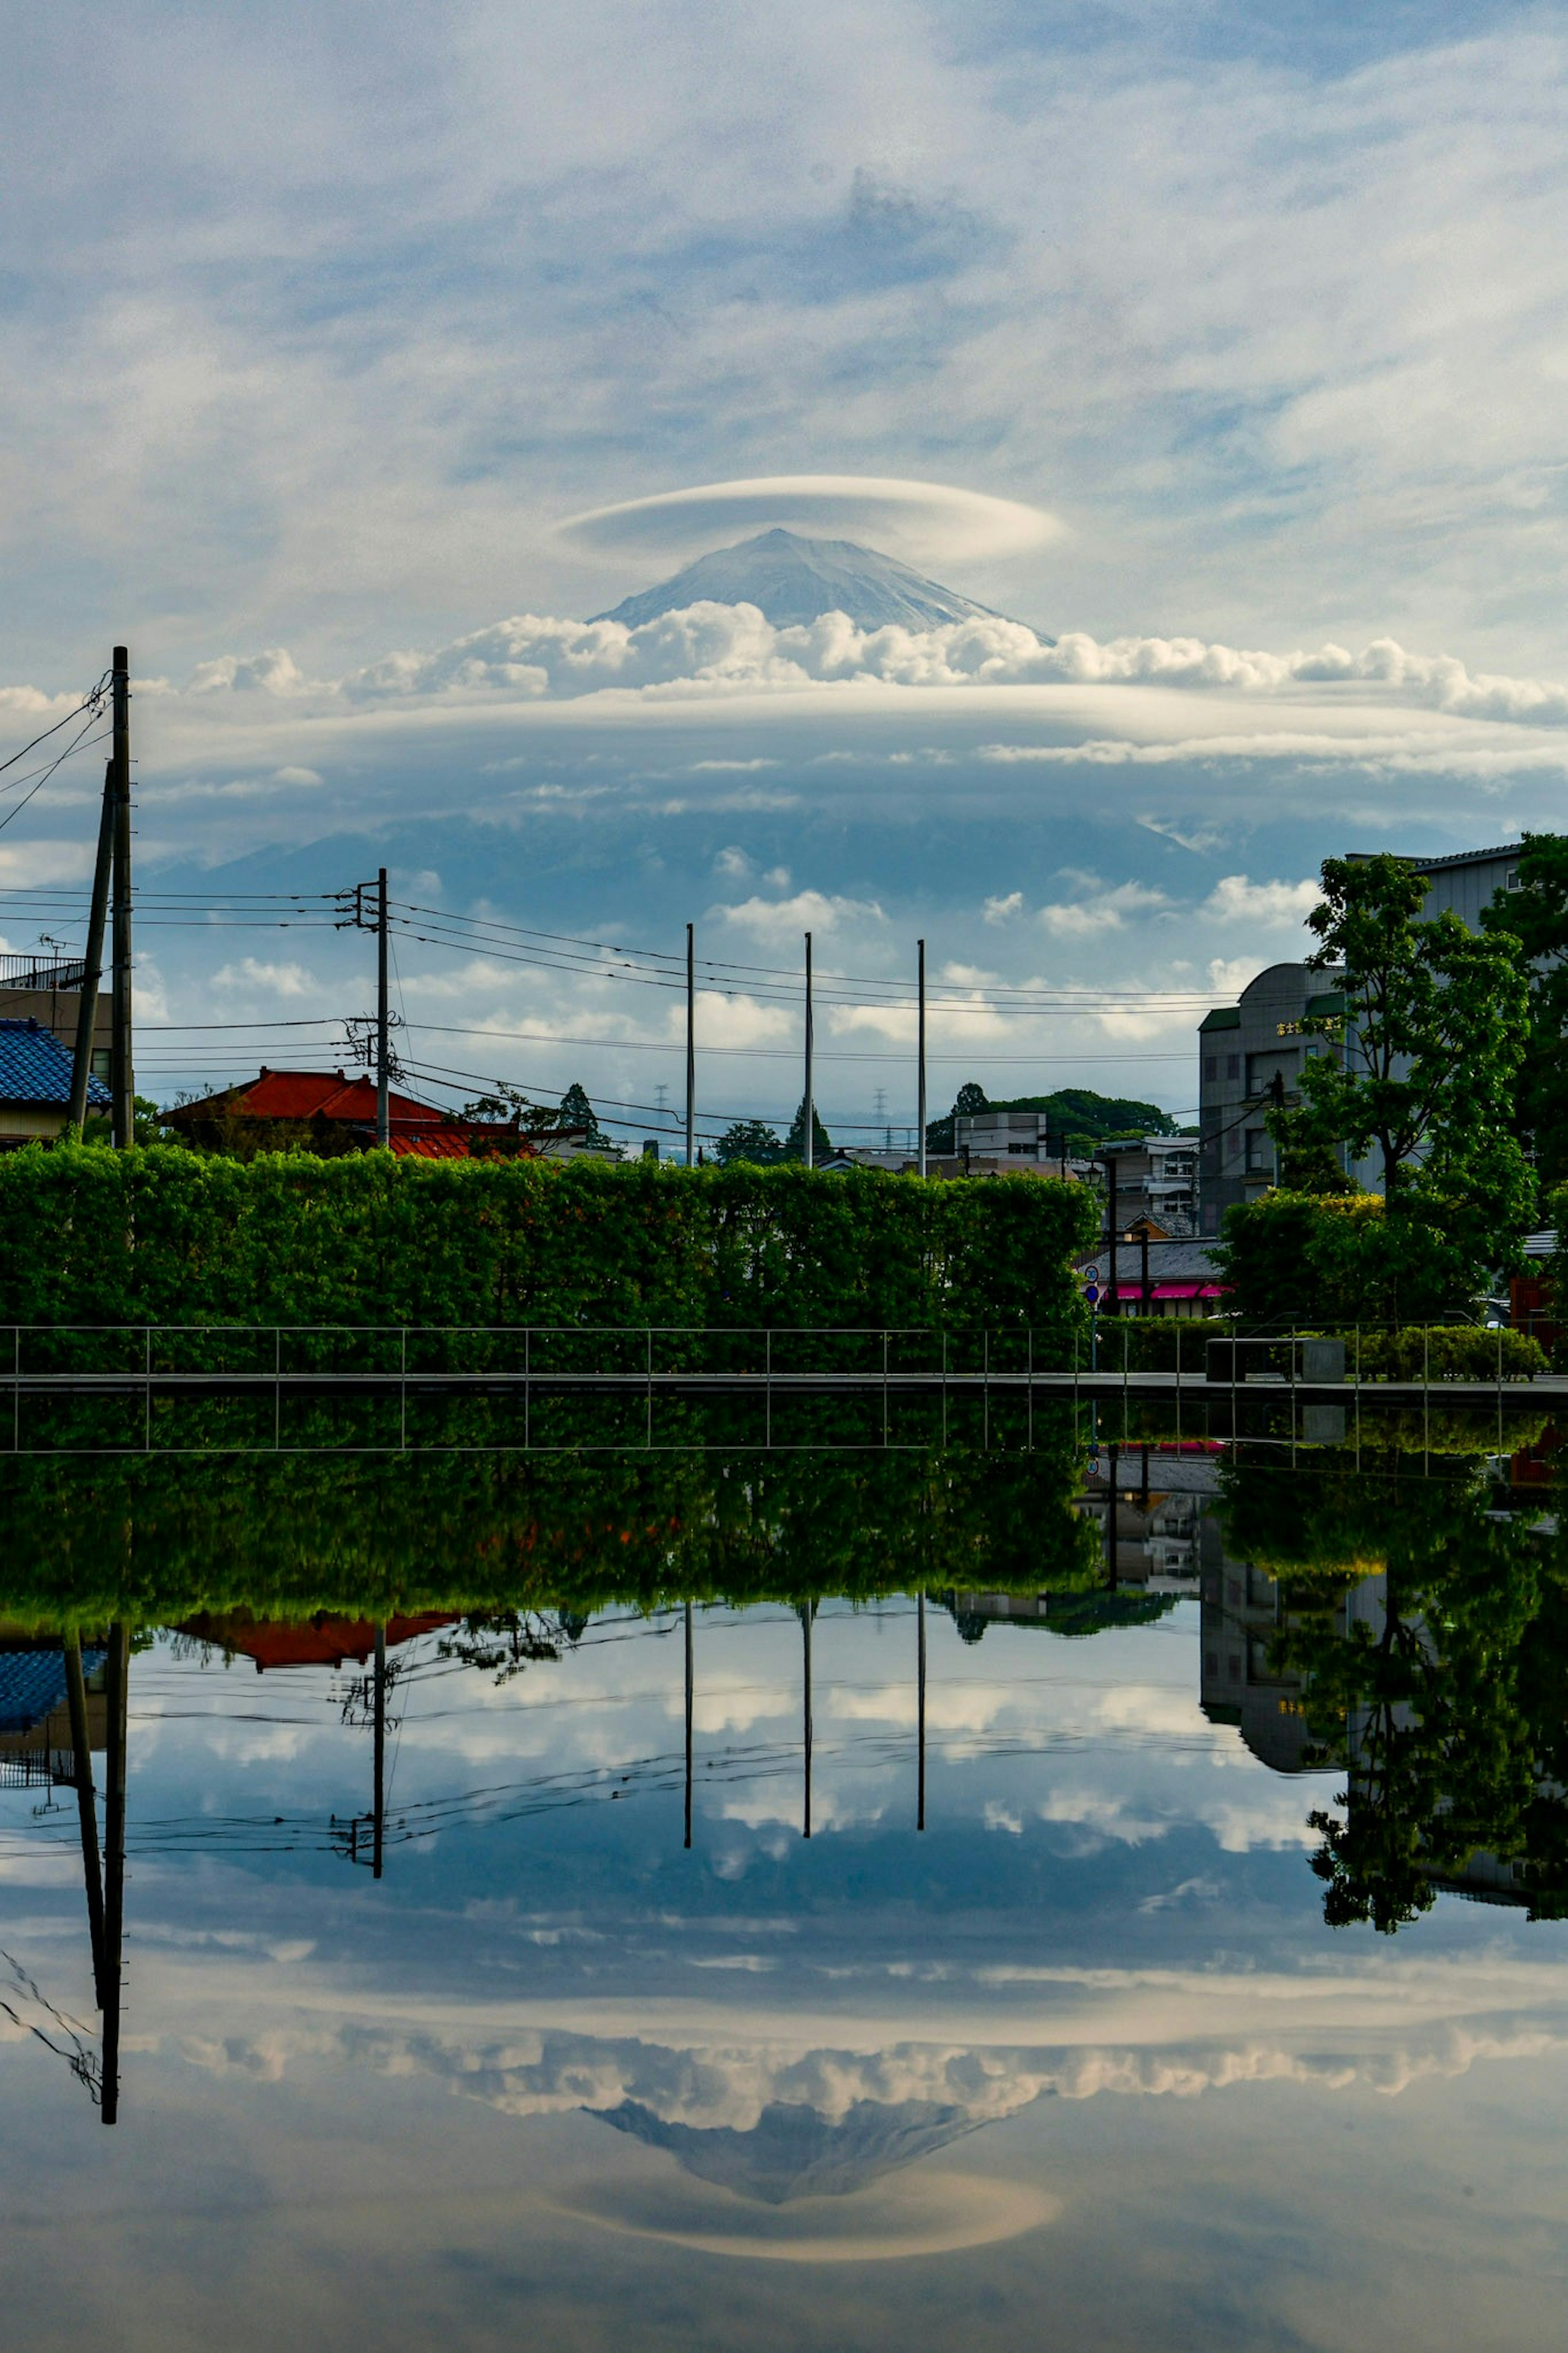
(1258, 1159)
(1233, 1066)
(1211, 1066)
(103, 1062)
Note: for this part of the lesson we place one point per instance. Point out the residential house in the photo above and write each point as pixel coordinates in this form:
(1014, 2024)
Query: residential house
(48, 991)
(335, 1114)
(36, 1085)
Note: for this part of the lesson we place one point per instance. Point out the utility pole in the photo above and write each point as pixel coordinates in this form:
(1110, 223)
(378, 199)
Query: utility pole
(921, 1707)
(1108, 1162)
(87, 1807)
(378, 1794)
(690, 1680)
(810, 1150)
(116, 1681)
(382, 1052)
(123, 1079)
(805, 1717)
(92, 962)
(921, 1058)
(690, 1047)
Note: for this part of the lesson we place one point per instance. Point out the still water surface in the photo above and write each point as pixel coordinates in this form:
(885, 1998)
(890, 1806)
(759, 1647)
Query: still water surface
(1220, 2000)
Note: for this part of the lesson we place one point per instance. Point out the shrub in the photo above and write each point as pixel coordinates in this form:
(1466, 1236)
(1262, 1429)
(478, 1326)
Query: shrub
(1297, 1258)
(167, 1236)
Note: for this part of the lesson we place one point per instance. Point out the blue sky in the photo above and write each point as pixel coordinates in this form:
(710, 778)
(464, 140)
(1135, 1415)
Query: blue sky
(314, 334)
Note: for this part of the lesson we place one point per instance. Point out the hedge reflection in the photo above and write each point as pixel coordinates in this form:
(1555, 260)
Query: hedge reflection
(475, 1530)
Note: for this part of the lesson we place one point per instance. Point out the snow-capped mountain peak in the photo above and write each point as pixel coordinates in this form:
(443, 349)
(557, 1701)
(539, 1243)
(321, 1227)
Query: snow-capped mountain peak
(792, 580)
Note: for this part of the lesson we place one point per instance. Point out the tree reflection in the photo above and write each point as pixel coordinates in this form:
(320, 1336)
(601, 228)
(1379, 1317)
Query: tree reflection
(1426, 1633)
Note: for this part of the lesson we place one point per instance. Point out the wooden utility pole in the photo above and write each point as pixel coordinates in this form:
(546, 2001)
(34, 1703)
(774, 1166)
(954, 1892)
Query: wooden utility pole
(1108, 1161)
(382, 1025)
(809, 1151)
(92, 962)
(122, 1077)
(920, 1056)
(691, 1048)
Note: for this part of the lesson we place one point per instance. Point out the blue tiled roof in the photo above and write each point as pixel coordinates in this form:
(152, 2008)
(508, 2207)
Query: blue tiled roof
(35, 1067)
(33, 1684)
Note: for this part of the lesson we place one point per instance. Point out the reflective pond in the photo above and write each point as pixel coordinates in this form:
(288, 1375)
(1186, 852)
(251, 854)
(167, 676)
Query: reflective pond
(1019, 1888)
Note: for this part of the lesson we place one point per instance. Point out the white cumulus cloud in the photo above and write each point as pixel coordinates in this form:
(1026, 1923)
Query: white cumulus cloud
(1236, 899)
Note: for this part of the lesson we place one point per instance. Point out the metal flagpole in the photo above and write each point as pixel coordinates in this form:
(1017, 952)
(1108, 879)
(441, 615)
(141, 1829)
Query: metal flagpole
(383, 1055)
(691, 1048)
(810, 1155)
(920, 1077)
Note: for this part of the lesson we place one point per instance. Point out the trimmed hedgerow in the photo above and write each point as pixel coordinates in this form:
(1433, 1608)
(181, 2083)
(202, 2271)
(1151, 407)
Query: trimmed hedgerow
(166, 1237)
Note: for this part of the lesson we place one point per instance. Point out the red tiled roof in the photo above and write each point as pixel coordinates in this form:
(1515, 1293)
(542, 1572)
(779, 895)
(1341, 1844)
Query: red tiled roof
(418, 1130)
(321, 1642)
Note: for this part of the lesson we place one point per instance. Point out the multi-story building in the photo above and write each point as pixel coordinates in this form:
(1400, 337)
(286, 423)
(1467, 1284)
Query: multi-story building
(1244, 1047)
(1244, 1050)
(1466, 881)
(1156, 1176)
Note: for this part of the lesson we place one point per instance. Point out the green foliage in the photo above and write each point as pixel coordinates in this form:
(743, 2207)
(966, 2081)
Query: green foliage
(1450, 1352)
(940, 1133)
(513, 1120)
(794, 1142)
(1308, 1259)
(494, 1536)
(1536, 916)
(750, 1140)
(1077, 1115)
(576, 1111)
(1159, 1343)
(1422, 1061)
(1440, 1690)
(168, 1237)
(147, 1125)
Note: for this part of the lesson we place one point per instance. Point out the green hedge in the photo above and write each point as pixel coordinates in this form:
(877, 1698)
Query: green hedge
(1159, 1343)
(1451, 1352)
(1307, 1259)
(166, 1237)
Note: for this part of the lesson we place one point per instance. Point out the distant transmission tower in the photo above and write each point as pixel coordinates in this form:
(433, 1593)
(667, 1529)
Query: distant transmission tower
(881, 1107)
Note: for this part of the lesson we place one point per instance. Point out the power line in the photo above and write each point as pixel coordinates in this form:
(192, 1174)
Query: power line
(93, 702)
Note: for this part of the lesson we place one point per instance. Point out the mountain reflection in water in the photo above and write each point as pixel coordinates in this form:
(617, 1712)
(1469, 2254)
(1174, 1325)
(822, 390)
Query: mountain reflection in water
(1113, 1758)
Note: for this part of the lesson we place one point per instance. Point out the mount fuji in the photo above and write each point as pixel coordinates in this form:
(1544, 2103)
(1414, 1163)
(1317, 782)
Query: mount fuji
(792, 580)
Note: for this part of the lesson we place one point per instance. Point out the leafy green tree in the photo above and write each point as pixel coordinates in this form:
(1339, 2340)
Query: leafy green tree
(1435, 1026)
(513, 1117)
(1420, 1692)
(576, 1111)
(146, 1125)
(941, 1133)
(1536, 915)
(794, 1142)
(748, 1139)
(1077, 1115)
